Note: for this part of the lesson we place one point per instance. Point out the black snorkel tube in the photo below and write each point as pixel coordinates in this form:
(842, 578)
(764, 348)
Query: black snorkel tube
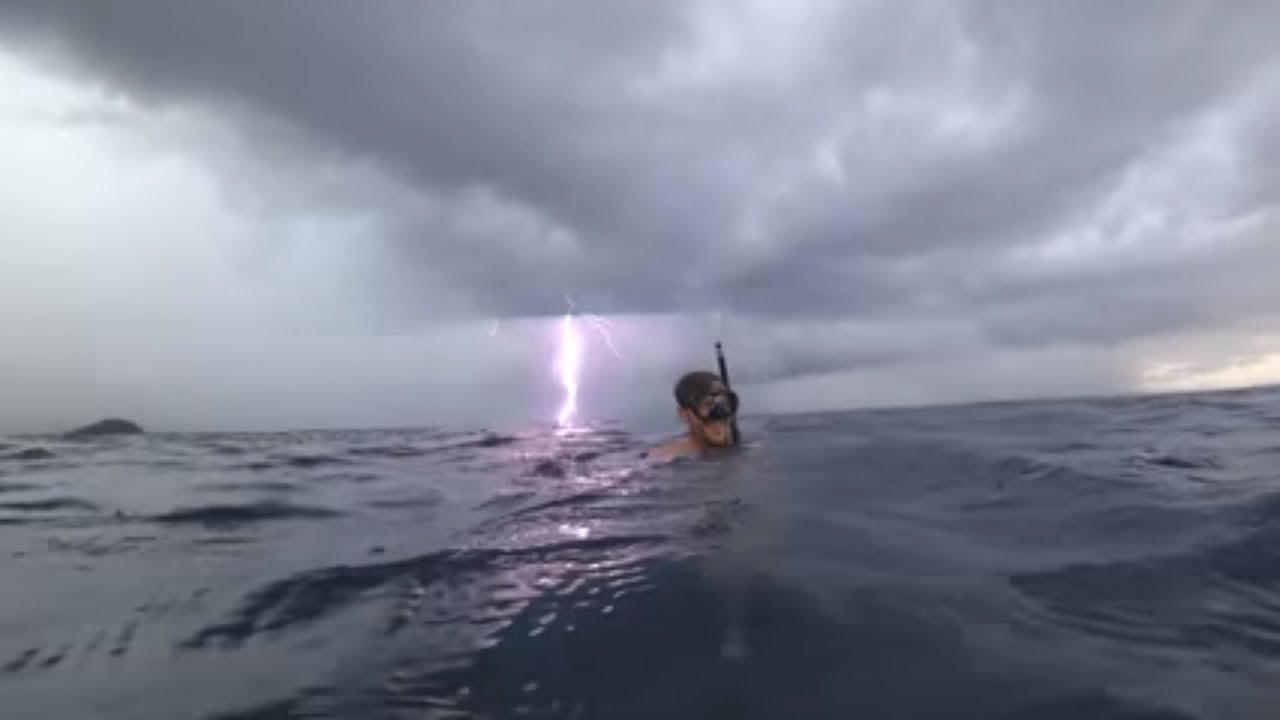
(724, 378)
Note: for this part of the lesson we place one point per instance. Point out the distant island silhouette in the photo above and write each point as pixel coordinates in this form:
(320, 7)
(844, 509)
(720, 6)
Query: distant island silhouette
(105, 428)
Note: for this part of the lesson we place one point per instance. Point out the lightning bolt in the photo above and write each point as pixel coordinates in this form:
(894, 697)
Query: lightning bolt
(603, 326)
(568, 364)
(568, 367)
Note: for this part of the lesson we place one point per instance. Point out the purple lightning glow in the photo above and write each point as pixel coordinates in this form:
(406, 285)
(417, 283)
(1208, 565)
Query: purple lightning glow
(602, 326)
(569, 367)
(569, 355)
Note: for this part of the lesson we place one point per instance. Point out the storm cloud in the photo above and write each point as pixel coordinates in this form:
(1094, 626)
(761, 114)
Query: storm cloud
(874, 202)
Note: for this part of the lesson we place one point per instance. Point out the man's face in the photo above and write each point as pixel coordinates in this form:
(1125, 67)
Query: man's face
(716, 433)
(703, 421)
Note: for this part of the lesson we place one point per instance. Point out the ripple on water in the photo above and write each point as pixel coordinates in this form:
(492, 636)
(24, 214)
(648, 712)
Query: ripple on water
(102, 642)
(460, 616)
(503, 581)
(1207, 599)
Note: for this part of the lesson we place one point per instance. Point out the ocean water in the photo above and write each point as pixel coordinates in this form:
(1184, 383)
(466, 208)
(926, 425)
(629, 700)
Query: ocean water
(1058, 560)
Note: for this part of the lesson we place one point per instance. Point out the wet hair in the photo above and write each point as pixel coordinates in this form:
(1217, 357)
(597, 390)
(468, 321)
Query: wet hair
(694, 386)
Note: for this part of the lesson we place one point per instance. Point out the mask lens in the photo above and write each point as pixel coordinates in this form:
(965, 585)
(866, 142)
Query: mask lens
(720, 406)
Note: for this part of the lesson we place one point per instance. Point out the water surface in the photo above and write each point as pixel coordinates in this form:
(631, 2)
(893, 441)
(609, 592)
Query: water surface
(1078, 559)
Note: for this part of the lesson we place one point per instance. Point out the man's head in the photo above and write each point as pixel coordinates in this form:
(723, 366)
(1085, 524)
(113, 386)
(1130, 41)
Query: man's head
(706, 406)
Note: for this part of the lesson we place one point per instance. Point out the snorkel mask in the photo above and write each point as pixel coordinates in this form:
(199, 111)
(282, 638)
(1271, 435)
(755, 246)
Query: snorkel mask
(716, 407)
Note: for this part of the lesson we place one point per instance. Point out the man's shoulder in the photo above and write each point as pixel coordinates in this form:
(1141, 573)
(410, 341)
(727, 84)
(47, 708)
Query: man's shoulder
(671, 451)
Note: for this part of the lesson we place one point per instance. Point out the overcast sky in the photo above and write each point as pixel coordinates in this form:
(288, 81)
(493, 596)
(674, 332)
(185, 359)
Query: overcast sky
(247, 214)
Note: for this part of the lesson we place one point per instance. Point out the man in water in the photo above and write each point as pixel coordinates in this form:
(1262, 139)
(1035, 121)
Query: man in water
(707, 409)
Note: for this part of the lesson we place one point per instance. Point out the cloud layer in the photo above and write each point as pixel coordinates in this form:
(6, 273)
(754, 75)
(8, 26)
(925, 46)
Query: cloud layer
(951, 201)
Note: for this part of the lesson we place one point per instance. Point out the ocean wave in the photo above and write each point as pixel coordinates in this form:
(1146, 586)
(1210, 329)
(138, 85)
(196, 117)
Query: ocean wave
(223, 449)
(49, 505)
(392, 451)
(413, 502)
(489, 440)
(549, 468)
(1183, 461)
(240, 514)
(32, 453)
(256, 466)
(293, 462)
(251, 486)
(308, 462)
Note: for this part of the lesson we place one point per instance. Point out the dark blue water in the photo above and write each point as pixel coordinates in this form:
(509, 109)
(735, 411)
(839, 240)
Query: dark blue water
(1084, 559)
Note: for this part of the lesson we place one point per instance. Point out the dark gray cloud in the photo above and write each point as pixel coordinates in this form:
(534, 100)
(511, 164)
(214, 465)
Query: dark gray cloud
(971, 174)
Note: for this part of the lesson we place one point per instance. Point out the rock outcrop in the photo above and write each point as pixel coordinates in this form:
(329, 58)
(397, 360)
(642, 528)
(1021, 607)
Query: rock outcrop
(105, 428)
